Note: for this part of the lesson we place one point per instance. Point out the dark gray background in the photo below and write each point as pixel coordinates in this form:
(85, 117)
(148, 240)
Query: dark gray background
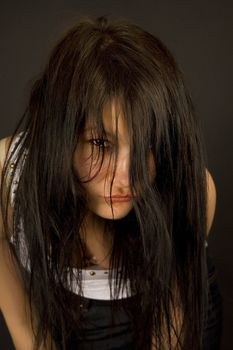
(198, 33)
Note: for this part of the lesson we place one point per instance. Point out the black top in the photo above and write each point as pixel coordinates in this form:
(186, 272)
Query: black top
(100, 334)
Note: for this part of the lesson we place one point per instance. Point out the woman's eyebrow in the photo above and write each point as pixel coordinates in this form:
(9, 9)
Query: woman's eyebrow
(109, 133)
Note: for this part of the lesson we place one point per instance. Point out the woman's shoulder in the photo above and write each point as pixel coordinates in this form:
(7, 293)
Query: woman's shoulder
(9, 152)
(4, 146)
(211, 199)
(8, 145)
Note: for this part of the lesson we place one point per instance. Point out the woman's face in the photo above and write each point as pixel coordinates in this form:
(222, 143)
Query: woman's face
(86, 166)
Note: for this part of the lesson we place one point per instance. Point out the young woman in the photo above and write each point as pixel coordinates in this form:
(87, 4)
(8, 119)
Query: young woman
(106, 202)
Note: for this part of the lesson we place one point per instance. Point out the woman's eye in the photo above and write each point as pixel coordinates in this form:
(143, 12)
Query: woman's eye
(101, 143)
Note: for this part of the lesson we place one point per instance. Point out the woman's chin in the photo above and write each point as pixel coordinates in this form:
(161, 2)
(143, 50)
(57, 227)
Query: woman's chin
(117, 212)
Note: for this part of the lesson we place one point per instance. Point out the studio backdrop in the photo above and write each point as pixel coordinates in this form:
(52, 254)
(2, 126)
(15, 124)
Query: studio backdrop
(198, 33)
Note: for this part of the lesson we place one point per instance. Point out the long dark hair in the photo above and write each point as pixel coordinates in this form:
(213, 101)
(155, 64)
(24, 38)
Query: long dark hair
(159, 245)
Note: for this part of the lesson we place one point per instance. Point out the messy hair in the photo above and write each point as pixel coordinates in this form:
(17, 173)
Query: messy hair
(159, 245)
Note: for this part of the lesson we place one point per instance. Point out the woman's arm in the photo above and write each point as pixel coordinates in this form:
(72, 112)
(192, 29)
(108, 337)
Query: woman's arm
(14, 303)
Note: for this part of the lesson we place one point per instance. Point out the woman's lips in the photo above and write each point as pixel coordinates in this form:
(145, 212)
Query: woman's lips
(125, 198)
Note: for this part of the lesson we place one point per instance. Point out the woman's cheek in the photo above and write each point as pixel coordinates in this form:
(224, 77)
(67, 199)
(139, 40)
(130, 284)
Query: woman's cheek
(87, 169)
(88, 163)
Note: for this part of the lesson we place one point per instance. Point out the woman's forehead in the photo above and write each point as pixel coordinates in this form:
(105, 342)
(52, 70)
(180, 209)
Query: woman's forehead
(113, 121)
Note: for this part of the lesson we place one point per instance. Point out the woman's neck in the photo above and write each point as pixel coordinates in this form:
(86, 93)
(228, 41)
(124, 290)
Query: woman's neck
(97, 238)
(94, 228)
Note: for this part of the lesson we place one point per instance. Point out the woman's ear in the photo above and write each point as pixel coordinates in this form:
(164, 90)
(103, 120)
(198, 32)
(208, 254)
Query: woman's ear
(211, 200)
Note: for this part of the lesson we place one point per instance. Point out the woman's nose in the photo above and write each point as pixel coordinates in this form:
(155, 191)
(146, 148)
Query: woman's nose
(122, 169)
